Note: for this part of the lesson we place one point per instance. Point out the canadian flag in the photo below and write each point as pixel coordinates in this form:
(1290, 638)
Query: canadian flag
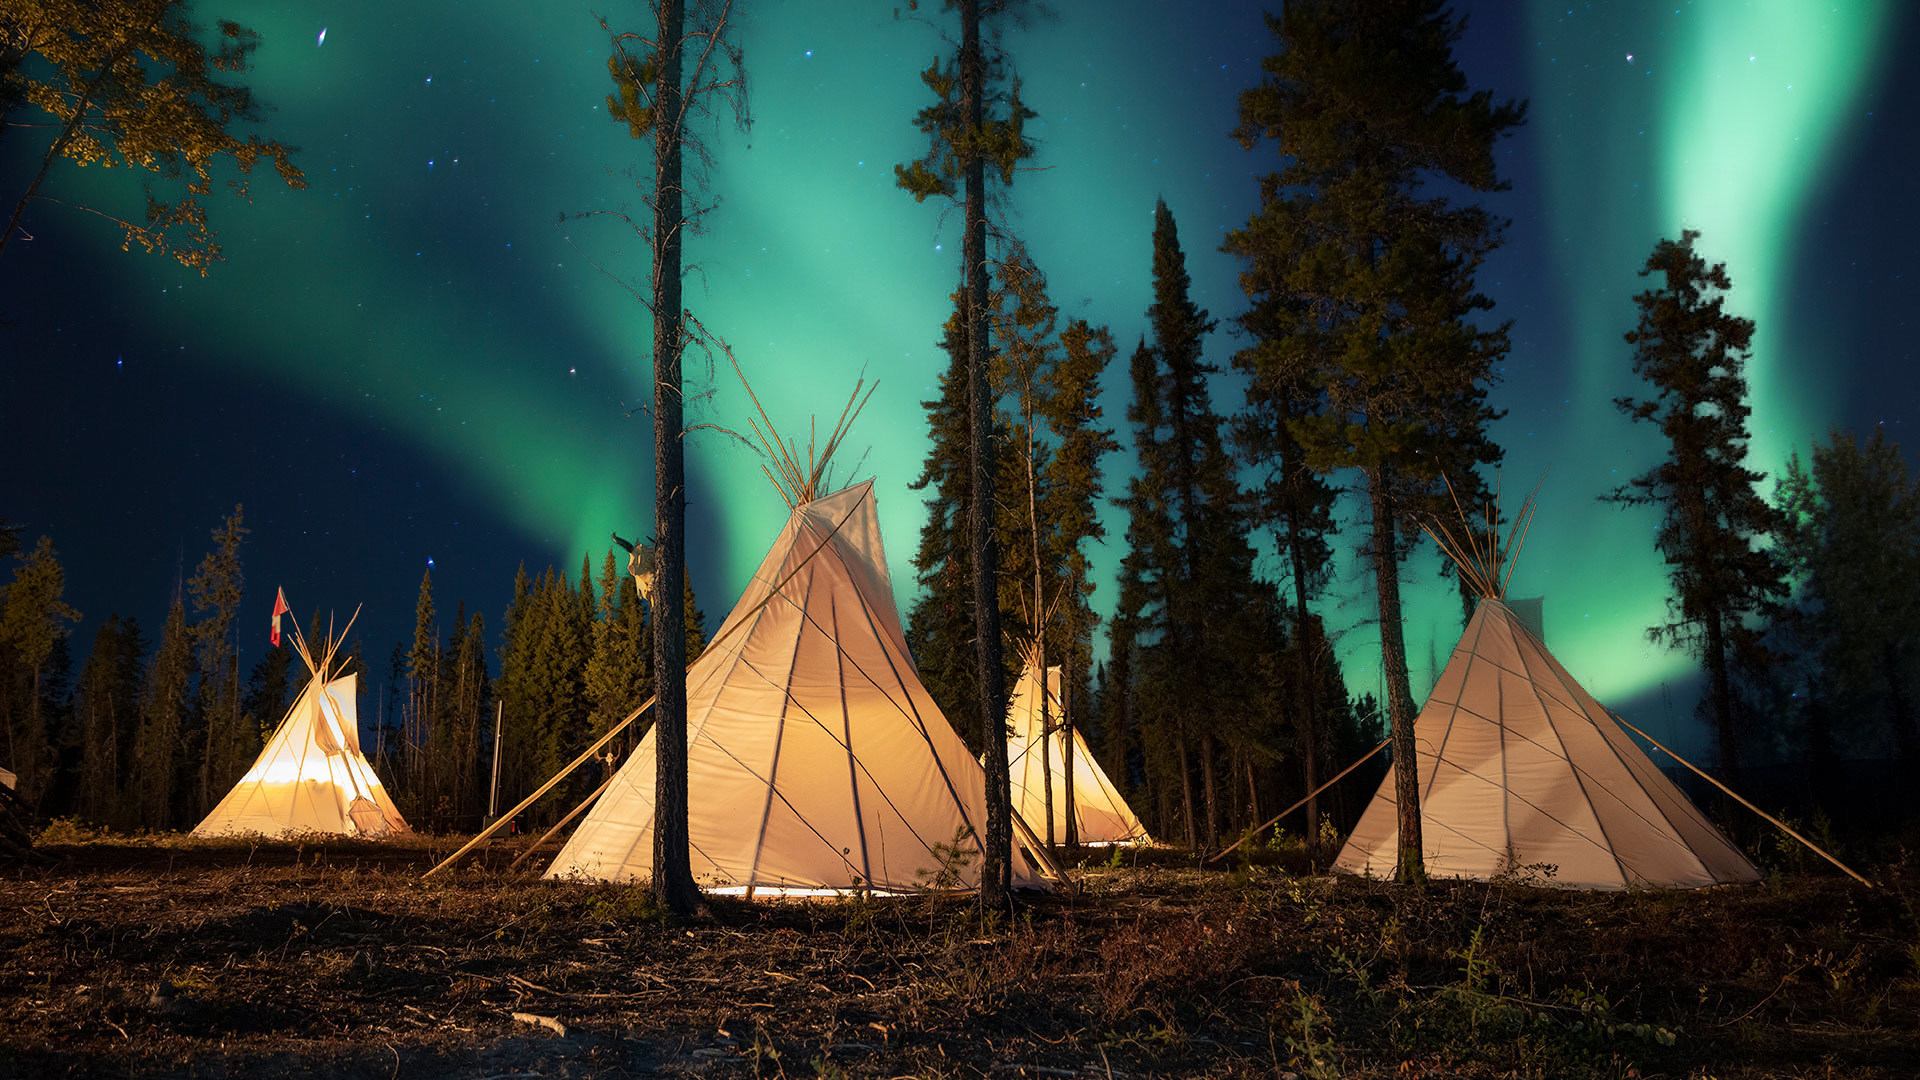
(279, 608)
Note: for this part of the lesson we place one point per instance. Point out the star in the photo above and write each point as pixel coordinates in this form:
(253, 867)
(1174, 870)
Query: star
(322, 39)
(1629, 58)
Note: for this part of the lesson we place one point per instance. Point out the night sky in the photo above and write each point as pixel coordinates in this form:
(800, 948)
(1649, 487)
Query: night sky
(418, 361)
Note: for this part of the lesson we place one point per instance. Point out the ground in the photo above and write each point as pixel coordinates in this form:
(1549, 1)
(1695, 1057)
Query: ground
(171, 957)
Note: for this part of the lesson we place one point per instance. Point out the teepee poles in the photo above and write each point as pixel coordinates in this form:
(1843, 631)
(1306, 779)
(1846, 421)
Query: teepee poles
(1735, 796)
(561, 824)
(1270, 822)
(799, 481)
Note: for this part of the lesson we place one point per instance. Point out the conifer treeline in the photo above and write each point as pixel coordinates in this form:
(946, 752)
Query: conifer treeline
(153, 733)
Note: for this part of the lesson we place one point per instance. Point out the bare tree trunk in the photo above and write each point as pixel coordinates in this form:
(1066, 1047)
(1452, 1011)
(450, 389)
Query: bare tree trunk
(1720, 697)
(1412, 867)
(1208, 751)
(1308, 721)
(673, 883)
(1253, 791)
(1046, 746)
(1067, 705)
(1186, 792)
(996, 868)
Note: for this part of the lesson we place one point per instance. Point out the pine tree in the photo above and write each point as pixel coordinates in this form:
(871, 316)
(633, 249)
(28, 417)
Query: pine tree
(158, 793)
(227, 746)
(963, 139)
(555, 685)
(1050, 379)
(513, 693)
(1715, 527)
(1368, 285)
(941, 625)
(130, 84)
(266, 700)
(1293, 502)
(1190, 566)
(620, 675)
(34, 620)
(656, 92)
(423, 747)
(1850, 538)
(694, 620)
(108, 710)
(463, 717)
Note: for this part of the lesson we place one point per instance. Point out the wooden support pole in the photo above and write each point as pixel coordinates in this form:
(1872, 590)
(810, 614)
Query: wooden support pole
(1735, 796)
(561, 824)
(1364, 758)
(543, 789)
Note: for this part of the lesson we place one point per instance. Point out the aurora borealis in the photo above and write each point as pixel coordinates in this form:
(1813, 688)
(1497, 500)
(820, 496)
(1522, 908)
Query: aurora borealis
(423, 357)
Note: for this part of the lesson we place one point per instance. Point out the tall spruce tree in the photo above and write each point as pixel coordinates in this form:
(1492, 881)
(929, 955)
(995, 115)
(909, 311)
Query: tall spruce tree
(1293, 501)
(1850, 538)
(941, 624)
(158, 794)
(1715, 528)
(1190, 556)
(513, 692)
(619, 675)
(34, 619)
(965, 135)
(1369, 287)
(268, 684)
(227, 743)
(1049, 376)
(419, 752)
(468, 692)
(1074, 489)
(108, 711)
(661, 81)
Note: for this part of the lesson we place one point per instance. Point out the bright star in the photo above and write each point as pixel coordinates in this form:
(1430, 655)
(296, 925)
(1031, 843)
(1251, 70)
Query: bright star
(809, 54)
(322, 39)
(1629, 58)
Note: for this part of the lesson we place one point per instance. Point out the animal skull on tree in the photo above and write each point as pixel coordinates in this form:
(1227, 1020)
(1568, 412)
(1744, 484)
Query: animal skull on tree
(640, 563)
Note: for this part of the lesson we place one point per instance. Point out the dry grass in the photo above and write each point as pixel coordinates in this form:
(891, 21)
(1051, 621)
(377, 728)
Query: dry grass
(198, 959)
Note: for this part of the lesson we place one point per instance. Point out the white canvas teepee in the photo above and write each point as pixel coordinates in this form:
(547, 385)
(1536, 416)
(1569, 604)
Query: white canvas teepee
(1521, 772)
(1101, 816)
(817, 762)
(311, 776)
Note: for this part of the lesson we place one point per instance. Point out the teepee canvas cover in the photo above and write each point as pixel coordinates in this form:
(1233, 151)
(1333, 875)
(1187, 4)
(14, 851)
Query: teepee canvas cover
(1519, 767)
(1101, 816)
(817, 762)
(311, 777)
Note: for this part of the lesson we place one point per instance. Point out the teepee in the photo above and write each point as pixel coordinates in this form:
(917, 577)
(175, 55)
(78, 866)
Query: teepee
(311, 776)
(1523, 773)
(817, 763)
(1101, 816)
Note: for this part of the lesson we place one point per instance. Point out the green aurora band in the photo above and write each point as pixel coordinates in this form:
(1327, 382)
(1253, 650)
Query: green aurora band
(1724, 120)
(503, 346)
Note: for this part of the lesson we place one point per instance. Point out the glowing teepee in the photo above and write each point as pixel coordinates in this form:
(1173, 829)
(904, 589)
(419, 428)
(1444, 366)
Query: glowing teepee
(1101, 816)
(311, 776)
(1522, 772)
(816, 760)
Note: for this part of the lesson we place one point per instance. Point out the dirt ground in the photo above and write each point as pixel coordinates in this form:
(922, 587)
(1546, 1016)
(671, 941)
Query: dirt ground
(179, 959)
